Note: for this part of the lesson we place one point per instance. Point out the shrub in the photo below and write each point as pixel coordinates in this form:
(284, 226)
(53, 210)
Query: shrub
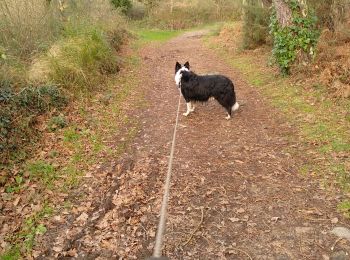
(255, 26)
(40, 99)
(18, 111)
(78, 61)
(57, 122)
(123, 5)
(71, 45)
(137, 11)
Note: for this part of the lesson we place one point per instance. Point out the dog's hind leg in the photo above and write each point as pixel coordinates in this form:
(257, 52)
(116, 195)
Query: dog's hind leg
(229, 112)
(189, 110)
(227, 102)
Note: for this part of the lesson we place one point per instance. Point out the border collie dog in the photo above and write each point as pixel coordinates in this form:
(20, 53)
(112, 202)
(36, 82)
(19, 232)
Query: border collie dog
(198, 88)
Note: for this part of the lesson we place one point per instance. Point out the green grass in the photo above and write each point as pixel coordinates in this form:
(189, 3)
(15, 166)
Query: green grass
(71, 135)
(344, 207)
(42, 172)
(156, 35)
(13, 253)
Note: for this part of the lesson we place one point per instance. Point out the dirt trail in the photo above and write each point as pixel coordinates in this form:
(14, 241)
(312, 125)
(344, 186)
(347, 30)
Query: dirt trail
(237, 172)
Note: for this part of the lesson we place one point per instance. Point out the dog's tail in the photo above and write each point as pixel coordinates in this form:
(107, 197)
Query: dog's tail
(235, 106)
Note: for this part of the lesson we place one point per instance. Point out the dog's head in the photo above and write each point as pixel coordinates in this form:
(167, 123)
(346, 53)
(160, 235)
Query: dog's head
(178, 71)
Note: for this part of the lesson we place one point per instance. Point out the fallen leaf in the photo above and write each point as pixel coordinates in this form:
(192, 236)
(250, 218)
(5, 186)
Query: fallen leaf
(16, 201)
(334, 220)
(240, 210)
(234, 220)
(275, 219)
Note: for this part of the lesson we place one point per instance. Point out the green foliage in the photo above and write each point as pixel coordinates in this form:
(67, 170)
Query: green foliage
(301, 36)
(71, 135)
(255, 26)
(18, 111)
(123, 5)
(344, 207)
(17, 186)
(57, 122)
(32, 227)
(13, 253)
(40, 99)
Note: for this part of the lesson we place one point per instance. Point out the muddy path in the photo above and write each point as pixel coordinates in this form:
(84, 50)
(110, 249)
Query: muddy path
(237, 176)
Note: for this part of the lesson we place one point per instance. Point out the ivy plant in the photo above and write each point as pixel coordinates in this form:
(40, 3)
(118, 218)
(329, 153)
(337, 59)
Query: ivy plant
(301, 35)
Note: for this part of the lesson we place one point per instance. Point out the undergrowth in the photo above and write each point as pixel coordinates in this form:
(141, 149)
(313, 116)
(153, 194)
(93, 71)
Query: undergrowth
(51, 54)
(76, 149)
(188, 14)
(18, 114)
(81, 60)
(255, 26)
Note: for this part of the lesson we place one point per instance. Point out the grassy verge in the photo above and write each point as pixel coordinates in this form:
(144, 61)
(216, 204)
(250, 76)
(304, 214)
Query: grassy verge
(71, 152)
(156, 35)
(323, 123)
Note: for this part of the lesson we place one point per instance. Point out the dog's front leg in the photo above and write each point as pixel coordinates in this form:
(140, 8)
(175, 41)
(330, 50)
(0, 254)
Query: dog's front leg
(189, 110)
(191, 107)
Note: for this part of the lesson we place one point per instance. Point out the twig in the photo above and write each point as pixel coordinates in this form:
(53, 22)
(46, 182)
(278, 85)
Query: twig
(145, 231)
(244, 252)
(317, 219)
(196, 229)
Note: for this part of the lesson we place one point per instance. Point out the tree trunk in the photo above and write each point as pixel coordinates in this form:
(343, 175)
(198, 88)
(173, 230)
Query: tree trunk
(284, 13)
(244, 3)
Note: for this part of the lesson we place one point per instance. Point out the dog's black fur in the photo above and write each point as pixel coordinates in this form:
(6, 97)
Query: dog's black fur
(200, 88)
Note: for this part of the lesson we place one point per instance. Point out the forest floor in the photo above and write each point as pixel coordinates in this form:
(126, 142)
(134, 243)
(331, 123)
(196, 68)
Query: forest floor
(236, 191)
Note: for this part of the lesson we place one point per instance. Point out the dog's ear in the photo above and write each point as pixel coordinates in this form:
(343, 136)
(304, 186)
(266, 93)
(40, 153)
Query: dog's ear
(177, 66)
(187, 65)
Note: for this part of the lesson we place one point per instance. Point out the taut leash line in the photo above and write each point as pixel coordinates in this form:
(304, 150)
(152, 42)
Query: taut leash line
(157, 253)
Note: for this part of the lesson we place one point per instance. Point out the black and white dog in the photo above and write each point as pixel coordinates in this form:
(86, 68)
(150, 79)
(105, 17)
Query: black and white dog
(200, 88)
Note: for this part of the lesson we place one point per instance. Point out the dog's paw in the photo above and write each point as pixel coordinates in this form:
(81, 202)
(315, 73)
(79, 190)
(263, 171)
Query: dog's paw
(192, 109)
(228, 117)
(186, 114)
